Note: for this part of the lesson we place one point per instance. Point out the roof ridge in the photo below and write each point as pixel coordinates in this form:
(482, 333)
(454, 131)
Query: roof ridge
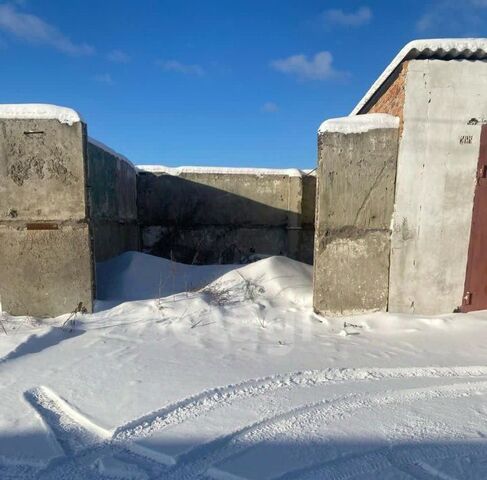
(433, 48)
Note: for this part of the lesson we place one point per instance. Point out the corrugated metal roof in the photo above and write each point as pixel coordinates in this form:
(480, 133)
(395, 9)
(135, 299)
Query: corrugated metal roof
(441, 48)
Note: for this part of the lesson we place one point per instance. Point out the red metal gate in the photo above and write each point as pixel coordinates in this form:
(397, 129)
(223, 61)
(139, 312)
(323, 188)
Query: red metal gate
(475, 293)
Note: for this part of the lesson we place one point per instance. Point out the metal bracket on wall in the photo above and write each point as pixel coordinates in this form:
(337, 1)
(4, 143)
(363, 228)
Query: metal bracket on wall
(42, 226)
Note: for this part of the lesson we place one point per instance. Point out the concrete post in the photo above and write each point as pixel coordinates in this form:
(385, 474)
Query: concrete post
(355, 196)
(46, 255)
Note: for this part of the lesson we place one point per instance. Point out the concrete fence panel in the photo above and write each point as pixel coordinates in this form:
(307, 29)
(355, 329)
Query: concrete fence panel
(112, 187)
(45, 235)
(226, 216)
(355, 182)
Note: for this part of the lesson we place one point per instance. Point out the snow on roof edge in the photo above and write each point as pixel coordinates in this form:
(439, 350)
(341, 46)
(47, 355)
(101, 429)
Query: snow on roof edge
(439, 48)
(176, 171)
(107, 149)
(39, 111)
(359, 123)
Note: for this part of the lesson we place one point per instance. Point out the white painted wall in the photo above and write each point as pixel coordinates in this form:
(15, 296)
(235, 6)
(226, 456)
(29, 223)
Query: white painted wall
(435, 184)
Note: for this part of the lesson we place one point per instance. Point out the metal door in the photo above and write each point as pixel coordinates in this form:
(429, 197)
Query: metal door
(475, 293)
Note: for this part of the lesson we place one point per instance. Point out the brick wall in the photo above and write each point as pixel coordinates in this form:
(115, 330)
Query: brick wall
(390, 97)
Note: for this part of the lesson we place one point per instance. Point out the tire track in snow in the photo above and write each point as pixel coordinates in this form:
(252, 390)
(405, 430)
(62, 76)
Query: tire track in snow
(299, 422)
(409, 459)
(100, 462)
(71, 429)
(207, 400)
(78, 436)
(15, 468)
(88, 449)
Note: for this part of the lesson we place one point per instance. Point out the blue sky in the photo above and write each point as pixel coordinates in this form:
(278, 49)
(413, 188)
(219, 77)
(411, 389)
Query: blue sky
(217, 82)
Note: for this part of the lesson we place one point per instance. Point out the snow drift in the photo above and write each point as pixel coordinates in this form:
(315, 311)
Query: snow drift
(236, 377)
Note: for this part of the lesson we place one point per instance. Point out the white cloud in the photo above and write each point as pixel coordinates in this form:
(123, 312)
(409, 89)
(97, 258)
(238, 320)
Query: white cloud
(269, 107)
(104, 78)
(425, 22)
(319, 67)
(34, 30)
(118, 56)
(353, 19)
(175, 66)
(447, 17)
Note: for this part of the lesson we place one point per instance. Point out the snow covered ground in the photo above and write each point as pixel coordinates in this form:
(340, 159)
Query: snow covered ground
(224, 372)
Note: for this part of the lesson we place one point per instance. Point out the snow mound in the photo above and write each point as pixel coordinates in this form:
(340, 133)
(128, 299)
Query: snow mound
(274, 278)
(39, 111)
(135, 276)
(359, 123)
(139, 276)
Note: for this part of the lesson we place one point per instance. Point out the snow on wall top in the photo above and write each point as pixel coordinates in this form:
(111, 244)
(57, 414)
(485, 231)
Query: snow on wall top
(176, 171)
(442, 48)
(107, 149)
(359, 123)
(39, 111)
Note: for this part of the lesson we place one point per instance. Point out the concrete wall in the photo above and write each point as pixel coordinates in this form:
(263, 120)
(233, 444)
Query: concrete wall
(63, 201)
(45, 272)
(67, 202)
(42, 170)
(112, 186)
(218, 217)
(45, 254)
(436, 178)
(356, 177)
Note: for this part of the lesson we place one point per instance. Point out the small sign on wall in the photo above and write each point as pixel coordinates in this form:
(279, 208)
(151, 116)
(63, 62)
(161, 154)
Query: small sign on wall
(466, 139)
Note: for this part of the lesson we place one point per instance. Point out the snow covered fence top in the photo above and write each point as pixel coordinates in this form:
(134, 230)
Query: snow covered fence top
(39, 111)
(359, 123)
(442, 48)
(107, 149)
(176, 171)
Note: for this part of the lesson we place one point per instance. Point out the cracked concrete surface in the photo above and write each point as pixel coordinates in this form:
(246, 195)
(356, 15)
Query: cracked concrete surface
(356, 179)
